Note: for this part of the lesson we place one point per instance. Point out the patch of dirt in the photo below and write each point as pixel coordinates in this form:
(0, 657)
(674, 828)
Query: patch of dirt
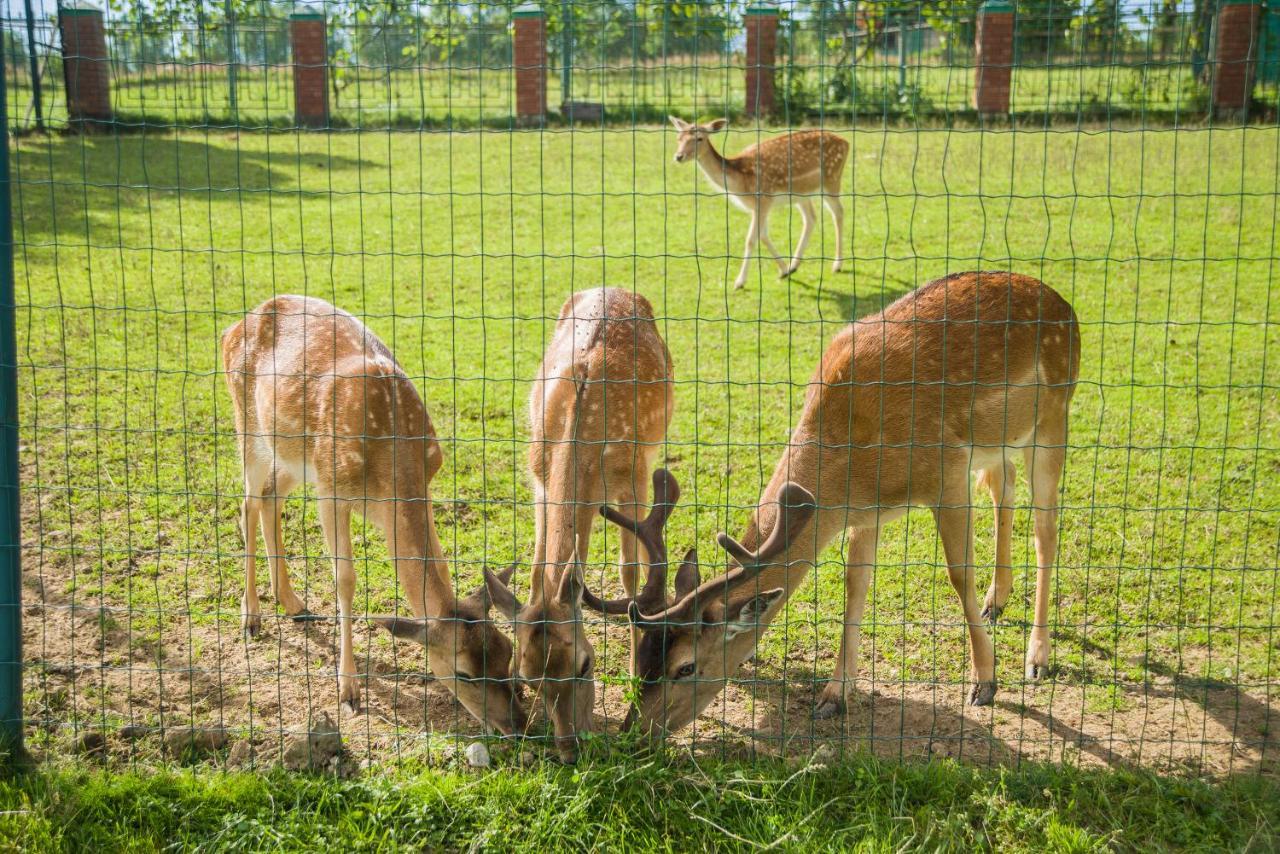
(86, 670)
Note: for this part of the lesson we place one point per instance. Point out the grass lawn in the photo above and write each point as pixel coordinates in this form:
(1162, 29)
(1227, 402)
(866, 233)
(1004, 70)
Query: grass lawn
(862, 805)
(458, 249)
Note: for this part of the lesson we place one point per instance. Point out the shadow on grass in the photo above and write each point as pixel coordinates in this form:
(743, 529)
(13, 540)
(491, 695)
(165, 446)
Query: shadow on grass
(77, 188)
(1251, 722)
(848, 301)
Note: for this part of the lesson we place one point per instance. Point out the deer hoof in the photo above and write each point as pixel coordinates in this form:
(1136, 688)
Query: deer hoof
(983, 694)
(829, 707)
(1037, 672)
(305, 616)
(349, 696)
(991, 613)
(251, 624)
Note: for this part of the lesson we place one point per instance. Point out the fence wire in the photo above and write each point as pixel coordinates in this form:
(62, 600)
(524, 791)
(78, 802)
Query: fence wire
(430, 209)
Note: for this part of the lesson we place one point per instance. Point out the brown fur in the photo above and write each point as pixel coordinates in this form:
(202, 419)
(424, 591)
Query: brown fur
(318, 397)
(792, 166)
(955, 376)
(598, 413)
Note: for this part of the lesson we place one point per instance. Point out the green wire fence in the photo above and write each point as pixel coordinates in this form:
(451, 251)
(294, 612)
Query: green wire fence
(450, 174)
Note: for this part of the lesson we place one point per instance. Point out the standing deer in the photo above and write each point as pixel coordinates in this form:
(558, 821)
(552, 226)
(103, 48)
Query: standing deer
(598, 412)
(318, 398)
(796, 165)
(956, 376)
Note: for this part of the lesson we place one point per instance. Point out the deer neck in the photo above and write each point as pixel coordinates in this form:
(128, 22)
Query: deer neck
(419, 559)
(720, 170)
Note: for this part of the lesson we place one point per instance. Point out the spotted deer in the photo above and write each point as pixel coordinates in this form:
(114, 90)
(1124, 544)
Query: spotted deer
(960, 375)
(598, 414)
(793, 166)
(319, 398)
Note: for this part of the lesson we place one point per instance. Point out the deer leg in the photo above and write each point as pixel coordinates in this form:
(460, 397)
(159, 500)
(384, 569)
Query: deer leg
(832, 201)
(859, 566)
(765, 208)
(335, 519)
(631, 500)
(250, 607)
(955, 527)
(272, 534)
(753, 237)
(807, 218)
(1044, 468)
(1000, 481)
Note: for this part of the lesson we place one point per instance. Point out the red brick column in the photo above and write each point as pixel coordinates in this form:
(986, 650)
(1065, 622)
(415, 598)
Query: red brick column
(1235, 55)
(85, 66)
(529, 56)
(993, 72)
(308, 34)
(762, 40)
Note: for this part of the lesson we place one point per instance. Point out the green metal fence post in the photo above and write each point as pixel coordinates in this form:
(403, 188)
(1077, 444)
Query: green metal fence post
(566, 52)
(231, 63)
(10, 544)
(33, 62)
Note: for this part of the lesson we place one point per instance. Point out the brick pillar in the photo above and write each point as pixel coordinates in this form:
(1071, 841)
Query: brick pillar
(85, 67)
(308, 34)
(993, 72)
(762, 40)
(1235, 55)
(529, 56)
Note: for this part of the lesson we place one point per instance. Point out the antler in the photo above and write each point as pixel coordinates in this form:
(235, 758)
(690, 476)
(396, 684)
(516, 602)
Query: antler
(796, 507)
(666, 492)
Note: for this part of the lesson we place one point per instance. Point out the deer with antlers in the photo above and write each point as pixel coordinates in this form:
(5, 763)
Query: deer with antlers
(319, 398)
(598, 413)
(958, 376)
(794, 166)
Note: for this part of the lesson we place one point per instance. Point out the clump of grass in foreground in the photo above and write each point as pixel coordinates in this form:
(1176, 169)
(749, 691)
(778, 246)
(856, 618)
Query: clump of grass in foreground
(644, 805)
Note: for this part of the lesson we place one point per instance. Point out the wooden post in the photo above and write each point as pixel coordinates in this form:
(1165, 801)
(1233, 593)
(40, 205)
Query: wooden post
(529, 56)
(761, 23)
(1235, 57)
(993, 45)
(308, 35)
(85, 66)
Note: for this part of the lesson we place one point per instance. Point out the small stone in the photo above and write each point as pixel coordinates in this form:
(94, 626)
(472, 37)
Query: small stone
(366, 764)
(315, 749)
(824, 755)
(91, 743)
(133, 731)
(241, 754)
(194, 742)
(477, 755)
(528, 758)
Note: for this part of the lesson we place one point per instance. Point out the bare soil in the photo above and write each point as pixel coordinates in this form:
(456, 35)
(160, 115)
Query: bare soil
(87, 671)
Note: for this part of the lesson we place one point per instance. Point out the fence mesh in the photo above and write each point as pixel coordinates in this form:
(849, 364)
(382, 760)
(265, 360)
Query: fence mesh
(455, 228)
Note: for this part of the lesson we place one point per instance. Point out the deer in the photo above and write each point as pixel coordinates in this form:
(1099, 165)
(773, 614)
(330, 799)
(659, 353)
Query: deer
(318, 398)
(599, 409)
(797, 165)
(960, 375)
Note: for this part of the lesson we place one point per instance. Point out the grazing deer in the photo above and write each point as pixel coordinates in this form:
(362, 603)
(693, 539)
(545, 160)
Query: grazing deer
(598, 412)
(318, 398)
(798, 164)
(957, 376)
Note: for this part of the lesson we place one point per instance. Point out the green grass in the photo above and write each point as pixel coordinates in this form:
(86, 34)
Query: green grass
(134, 252)
(858, 805)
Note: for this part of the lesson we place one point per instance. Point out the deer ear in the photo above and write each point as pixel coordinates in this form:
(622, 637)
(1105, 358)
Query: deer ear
(571, 585)
(679, 124)
(752, 612)
(716, 125)
(687, 577)
(409, 628)
(495, 592)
